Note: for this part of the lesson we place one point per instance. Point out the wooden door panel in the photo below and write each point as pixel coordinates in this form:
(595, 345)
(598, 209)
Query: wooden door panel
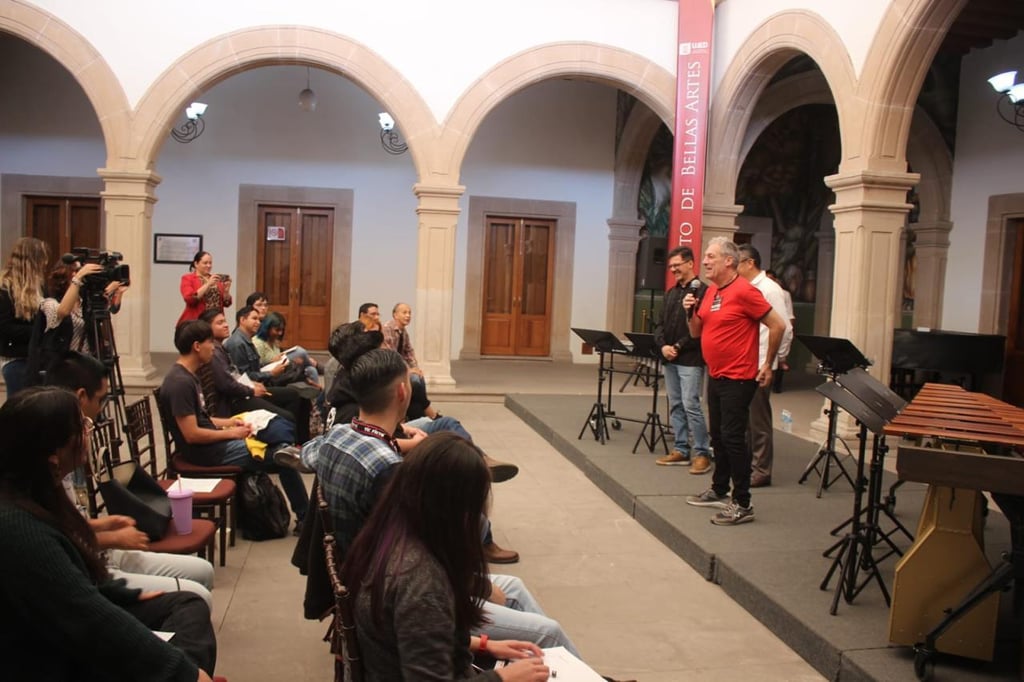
(63, 223)
(534, 337)
(84, 223)
(313, 302)
(497, 335)
(46, 223)
(274, 259)
(1013, 372)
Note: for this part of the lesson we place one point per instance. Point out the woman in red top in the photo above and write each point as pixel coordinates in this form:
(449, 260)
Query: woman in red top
(202, 290)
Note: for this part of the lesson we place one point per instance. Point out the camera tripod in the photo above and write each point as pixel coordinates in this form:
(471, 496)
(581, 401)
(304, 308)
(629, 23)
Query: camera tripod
(100, 336)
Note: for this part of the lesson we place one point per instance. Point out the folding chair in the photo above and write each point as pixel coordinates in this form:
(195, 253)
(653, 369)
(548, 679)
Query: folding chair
(348, 663)
(217, 504)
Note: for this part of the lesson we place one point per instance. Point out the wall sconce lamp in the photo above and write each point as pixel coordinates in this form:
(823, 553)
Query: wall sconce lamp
(193, 127)
(1010, 105)
(389, 139)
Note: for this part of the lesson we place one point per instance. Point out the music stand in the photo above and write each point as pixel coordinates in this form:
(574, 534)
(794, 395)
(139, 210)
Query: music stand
(597, 420)
(887, 405)
(837, 356)
(855, 549)
(645, 347)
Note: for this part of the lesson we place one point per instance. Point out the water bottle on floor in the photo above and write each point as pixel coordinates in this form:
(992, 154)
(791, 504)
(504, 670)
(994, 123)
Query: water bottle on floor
(787, 421)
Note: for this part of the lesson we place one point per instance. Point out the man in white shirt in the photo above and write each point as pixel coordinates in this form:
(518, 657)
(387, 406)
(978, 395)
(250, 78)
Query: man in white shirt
(759, 430)
(783, 364)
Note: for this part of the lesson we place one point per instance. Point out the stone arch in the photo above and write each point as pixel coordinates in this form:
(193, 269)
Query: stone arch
(772, 44)
(76, 54)
(898, 60)
(648, 82)
(226, 55)
(637, 135)
(809, 87)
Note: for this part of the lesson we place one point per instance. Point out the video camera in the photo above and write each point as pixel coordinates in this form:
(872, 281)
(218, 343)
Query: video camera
(94, 286)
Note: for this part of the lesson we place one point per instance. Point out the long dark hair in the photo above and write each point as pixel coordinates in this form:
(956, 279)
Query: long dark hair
(34, 424)
(196, 258)
(436, 496)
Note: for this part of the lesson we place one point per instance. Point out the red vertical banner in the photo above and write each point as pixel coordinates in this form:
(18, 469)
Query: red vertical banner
(693, 85)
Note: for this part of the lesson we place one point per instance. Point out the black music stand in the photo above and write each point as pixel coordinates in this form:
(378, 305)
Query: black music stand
(645, 347)
(886, 404)
(837, 356)
(597, 420)
(855, 549)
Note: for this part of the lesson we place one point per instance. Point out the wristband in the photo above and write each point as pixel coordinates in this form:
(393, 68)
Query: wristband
(483, 643)
(77, 282)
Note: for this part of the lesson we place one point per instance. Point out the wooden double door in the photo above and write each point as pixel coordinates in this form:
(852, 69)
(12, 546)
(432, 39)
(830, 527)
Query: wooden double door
(519, 266)
(293, 267)
(63, 223)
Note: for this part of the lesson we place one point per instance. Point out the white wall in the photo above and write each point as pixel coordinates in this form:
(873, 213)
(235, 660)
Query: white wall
(32, 141)
(988, 160)
(553, 141)
(467, 37)
(854, 22)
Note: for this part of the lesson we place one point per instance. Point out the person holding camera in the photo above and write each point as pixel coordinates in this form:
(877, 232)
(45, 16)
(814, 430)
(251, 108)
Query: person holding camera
(683, 367)
(203, 290)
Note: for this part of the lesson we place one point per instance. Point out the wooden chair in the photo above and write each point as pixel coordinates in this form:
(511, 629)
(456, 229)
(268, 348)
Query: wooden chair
(200, 541)
(177, 465)
(217, 504)
(348, 664)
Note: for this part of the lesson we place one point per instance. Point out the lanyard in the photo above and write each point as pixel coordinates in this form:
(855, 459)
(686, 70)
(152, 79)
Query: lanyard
(372, 431)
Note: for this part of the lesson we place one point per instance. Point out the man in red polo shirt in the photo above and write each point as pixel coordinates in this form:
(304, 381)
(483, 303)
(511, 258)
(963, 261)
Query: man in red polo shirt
(728, 321)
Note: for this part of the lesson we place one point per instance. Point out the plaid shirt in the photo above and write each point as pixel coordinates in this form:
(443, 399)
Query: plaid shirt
(352, 469)
(398, 340)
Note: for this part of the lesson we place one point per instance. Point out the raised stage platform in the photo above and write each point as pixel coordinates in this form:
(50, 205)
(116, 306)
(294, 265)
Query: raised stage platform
(774, 566)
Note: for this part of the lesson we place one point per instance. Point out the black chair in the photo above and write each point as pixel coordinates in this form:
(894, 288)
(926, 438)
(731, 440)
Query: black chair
(348, 664)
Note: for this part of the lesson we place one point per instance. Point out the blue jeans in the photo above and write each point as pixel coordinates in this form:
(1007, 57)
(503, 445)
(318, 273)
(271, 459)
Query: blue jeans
(442, 423)
(684, 386)
(236, 453)
(14, 375)
(521, 617)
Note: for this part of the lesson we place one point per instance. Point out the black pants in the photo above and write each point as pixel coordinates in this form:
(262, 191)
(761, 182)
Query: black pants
(287, 398)
(188, 617)
(728, 416)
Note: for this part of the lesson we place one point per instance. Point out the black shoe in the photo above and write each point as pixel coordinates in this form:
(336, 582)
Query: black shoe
(298, 529)
(289, 456)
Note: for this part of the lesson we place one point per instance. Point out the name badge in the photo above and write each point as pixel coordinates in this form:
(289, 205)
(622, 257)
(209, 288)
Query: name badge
(716, 303)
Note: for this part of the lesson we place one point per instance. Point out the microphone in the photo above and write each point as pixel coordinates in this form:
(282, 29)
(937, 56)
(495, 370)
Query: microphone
(693, 288)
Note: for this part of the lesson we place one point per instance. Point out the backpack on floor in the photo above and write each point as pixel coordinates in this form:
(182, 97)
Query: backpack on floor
(263, 512)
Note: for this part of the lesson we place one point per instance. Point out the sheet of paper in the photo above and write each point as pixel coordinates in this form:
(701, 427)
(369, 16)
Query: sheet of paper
(565, 667)
(166, 636)
(244, 380)
(199, 485)
(271, 365)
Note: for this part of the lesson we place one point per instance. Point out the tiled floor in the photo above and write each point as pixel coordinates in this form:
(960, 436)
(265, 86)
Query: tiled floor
(633, 608)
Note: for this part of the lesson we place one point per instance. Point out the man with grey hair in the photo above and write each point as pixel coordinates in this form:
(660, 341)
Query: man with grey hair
(760, 433)
(727, 323)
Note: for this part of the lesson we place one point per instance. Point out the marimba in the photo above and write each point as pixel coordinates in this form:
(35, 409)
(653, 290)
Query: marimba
(947, 561)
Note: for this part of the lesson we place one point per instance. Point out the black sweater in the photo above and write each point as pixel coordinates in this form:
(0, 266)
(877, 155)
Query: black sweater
(55, 624)
(14, 332)
(674, 330)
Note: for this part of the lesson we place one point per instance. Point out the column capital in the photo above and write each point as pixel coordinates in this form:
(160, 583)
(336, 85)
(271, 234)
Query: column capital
(872, 190)
(625, 229)
(122, 184)
(932, 233)
(438, 198)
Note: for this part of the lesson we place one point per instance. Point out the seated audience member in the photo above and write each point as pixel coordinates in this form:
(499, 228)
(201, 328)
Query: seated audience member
(67, 620)
(259, 302)
(415, 573)
(243, 354)
(396, 337)
(123, 544)
(225, 393)
(268, 344)
(21, 292)
(210, 441)
(369, 315)
(347, 343)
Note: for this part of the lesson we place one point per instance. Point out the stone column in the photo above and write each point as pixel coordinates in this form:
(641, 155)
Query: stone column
(128, 200)
(623, 238)
(932, 251)
(870, 212)
(719, 221)
(826, 271)
(438, 212)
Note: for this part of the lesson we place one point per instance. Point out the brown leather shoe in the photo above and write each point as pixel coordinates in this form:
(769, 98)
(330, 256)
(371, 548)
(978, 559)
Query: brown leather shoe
(497, 555)
(701, 464)
(674, 458)
(500, 471)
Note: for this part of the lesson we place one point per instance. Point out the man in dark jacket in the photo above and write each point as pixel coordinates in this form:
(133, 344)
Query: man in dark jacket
(684, 368)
